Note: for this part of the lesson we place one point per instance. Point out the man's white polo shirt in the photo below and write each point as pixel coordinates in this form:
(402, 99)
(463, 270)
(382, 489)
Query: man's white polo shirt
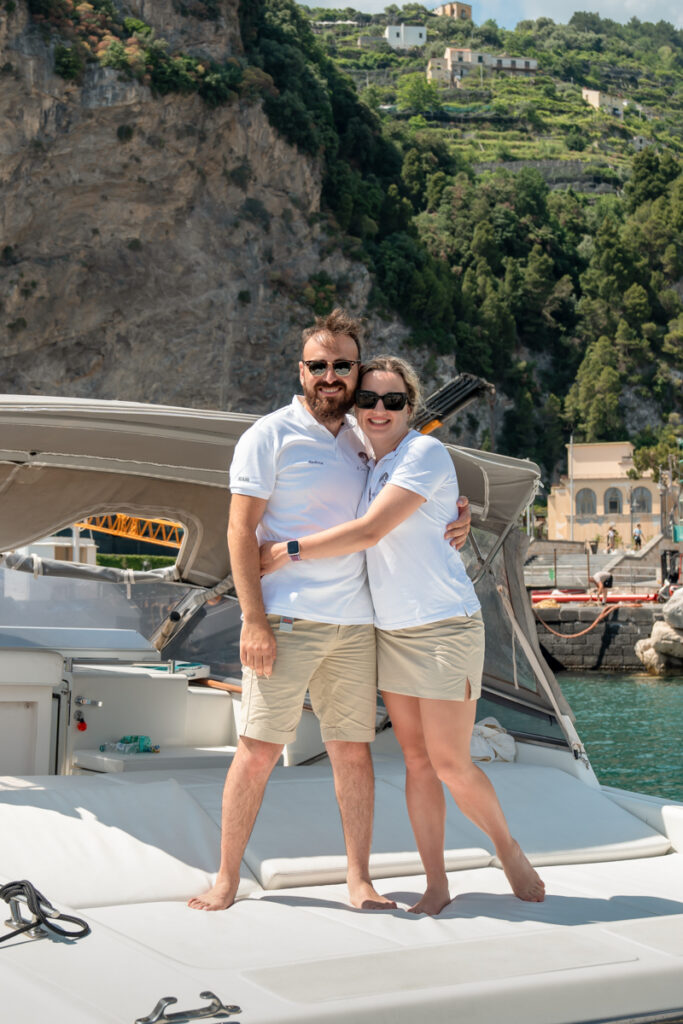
(311, 480)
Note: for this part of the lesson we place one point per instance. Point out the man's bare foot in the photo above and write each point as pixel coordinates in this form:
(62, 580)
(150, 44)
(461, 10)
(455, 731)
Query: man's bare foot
(364, 896)
(433, 901)
(219, 897)
(526, 883)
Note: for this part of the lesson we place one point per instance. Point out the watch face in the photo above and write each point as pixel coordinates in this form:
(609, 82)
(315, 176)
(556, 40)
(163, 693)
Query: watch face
(292, 547)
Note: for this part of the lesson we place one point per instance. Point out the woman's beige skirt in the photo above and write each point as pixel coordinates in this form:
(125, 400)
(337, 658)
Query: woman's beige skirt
(434, 660)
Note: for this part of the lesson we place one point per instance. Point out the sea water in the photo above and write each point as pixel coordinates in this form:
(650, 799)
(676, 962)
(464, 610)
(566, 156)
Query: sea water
(632, 728)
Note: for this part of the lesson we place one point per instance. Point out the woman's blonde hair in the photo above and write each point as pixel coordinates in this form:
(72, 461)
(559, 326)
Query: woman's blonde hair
(393, 364)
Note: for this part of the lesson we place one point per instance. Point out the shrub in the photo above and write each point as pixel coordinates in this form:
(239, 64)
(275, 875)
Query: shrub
(69, 63)
(124, 132)
(244, 297)
(256, 211)
(240, 175)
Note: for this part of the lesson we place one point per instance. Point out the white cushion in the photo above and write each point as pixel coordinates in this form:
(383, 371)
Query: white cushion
(100, 844)
(559, 820)
(298, 840)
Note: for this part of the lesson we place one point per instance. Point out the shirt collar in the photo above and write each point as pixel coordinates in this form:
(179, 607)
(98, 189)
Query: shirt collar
(304, 416)
(390, 456)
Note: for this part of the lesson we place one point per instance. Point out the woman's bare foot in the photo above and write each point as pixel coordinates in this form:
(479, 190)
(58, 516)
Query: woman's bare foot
(219, 897)
(526, 883)
(433, 901)
(364, 896)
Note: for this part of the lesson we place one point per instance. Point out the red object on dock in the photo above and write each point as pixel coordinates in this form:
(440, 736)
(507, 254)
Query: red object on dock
(567, 597)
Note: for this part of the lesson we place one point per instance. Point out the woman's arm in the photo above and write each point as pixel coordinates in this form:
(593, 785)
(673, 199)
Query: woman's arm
(391, 506)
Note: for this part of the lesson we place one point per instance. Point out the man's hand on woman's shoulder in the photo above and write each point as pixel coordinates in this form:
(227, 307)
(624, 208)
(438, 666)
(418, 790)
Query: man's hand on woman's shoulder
(457, 531)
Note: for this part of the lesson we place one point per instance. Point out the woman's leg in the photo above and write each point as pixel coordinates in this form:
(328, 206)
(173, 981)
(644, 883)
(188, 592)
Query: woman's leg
(424, 798)
(447, 727)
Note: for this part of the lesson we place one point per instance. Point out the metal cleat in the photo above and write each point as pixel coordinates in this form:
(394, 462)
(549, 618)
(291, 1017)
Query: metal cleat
(216, 1008)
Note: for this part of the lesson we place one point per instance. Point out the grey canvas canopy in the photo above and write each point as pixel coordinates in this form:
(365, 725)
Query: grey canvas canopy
(62, 459)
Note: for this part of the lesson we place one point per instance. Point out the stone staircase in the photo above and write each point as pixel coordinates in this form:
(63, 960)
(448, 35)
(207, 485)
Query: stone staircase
(573, 571)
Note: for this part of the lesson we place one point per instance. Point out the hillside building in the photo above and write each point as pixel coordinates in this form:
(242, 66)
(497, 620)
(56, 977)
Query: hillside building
(598, 493)
(463, 12)
(458, 61)
(405, 37)
(439, 71)
(614, 105)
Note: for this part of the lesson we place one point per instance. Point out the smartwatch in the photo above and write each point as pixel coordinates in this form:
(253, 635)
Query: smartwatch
(293, 550)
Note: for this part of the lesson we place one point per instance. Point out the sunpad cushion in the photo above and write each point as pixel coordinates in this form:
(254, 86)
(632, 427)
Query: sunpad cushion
(100, 844)
(559, 820)
(298, 840)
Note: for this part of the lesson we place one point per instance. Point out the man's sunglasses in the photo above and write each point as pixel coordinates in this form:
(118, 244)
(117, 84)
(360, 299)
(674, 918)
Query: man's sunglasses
(341, 367)
(393, 401)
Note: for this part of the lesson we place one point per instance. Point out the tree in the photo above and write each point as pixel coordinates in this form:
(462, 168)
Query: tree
(654, 448)
(415, 93)
(592, 404)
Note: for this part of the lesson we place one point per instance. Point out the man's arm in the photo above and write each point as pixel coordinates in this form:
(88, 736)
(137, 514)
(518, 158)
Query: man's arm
(457, 531)
(257, 641)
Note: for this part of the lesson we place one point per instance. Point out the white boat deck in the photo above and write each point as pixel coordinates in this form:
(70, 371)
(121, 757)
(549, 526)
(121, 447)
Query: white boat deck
(126, 850)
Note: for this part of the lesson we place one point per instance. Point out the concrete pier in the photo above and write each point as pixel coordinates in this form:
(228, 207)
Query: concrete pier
(610, 645)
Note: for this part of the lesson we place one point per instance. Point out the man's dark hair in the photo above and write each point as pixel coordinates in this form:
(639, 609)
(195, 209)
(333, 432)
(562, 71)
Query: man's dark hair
(336, 322)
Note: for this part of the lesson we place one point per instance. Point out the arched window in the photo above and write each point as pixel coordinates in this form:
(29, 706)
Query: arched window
(586, 502)
(612, 501)
(641, 500)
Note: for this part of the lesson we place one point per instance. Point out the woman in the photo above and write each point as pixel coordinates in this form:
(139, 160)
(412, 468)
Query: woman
(430, 633)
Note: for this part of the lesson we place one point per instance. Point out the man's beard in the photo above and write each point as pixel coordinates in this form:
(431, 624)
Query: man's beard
(328, 407)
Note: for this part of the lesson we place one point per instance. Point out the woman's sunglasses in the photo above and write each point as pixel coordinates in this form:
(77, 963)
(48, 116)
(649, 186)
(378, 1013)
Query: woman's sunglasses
(341, 367)
(393, 401)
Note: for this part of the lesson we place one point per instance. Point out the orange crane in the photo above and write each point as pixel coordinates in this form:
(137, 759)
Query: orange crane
(155, 531)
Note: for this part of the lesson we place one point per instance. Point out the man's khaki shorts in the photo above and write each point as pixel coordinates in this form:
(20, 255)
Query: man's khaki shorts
(434, 660)
(336, 664)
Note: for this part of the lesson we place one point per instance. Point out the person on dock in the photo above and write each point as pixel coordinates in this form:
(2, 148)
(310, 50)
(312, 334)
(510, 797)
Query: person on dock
(603, 581)
(310, 627)
(430, 632)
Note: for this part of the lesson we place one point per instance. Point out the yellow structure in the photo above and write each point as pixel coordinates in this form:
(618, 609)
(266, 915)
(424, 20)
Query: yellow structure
(598, 493)
(461, 11)
(156, 531)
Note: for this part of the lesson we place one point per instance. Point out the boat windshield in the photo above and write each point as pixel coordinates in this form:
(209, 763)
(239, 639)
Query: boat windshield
(28, 600)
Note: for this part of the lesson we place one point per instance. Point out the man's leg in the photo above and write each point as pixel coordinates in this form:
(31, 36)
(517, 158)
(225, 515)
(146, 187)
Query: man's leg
(354, 785)
(242, 797)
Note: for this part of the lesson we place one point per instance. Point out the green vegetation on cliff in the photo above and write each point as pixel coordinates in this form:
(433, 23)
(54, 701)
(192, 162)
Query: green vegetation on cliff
(568, 300)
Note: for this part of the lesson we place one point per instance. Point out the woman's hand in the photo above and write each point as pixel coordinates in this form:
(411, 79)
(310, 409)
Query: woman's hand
(273, 555)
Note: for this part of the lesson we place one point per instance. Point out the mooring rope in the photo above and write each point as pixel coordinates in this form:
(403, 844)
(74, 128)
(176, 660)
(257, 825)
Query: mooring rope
(572, 636)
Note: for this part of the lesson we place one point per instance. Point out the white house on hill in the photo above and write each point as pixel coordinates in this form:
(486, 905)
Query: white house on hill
(404, 37)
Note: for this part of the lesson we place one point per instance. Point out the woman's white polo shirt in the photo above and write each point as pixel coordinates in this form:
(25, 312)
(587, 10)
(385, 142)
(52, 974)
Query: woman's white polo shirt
(415, 575)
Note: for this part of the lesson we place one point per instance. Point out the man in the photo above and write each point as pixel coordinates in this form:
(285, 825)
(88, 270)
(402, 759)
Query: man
(603, 581)
(309, 626)
(637, 537)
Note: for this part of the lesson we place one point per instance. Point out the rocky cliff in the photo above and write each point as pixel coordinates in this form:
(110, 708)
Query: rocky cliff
(155, 249)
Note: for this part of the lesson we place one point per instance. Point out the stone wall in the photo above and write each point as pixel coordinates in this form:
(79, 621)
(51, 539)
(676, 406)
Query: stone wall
(609, 646)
